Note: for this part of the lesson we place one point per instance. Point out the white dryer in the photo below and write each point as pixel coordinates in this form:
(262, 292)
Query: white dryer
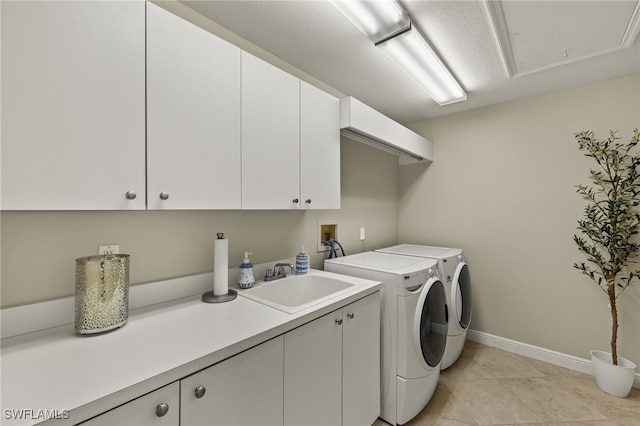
(454, 273)
(413, 323)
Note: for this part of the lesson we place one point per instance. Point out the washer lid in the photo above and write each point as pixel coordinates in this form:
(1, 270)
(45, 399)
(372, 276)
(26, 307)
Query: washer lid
(421, 251)
(384, 262)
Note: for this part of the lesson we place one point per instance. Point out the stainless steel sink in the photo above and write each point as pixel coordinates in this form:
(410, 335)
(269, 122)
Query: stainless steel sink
(297, 292)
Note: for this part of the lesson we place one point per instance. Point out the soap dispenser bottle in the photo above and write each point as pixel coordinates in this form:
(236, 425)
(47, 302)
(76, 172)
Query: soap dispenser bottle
(302, 262)
(246, 272)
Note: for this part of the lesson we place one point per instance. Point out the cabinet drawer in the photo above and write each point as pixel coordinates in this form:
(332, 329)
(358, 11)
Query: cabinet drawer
(160, 407)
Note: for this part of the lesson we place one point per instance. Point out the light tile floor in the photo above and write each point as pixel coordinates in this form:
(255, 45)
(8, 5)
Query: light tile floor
(489, 386)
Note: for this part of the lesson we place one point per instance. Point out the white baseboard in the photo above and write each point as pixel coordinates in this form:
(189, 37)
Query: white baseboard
(552, 357)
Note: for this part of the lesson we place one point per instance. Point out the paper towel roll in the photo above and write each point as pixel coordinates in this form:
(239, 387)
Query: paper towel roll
(221, 267)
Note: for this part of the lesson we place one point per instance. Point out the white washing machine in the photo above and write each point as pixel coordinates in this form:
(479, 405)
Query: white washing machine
(413, 327)
(454, 273)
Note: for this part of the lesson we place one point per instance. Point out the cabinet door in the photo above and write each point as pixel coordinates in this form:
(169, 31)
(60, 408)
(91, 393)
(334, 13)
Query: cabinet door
(313, 372)
(193, 116)
(319, 149)
(73, 105)
(270, 136)
(160, 407)
(361, 361)
(243, 390)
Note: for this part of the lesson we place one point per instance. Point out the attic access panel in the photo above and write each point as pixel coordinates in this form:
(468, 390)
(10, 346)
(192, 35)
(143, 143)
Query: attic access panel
(538, 35)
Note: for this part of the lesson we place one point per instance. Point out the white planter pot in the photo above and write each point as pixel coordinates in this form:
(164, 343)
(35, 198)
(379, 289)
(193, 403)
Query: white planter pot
(616, 380)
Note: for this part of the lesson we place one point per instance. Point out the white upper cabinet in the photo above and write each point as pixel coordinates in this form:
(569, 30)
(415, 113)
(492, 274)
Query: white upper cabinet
(73, 105)
(193, 116)
(319, 149)
(270, 136)
(104, 108)
(290, 141)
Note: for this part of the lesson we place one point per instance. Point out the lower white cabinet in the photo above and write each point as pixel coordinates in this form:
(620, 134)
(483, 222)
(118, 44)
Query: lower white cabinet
(313, 373)
(325, 372)
(332, 367)
(361, 361)
(243, 390)
(160, 407)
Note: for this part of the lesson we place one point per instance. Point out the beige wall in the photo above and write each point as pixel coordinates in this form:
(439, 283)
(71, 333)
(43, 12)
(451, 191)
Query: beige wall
(39, 248)
(502, 188)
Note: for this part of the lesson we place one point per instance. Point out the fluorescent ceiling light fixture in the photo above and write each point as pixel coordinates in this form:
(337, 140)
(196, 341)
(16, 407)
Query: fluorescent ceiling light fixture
(389, 27)
(378, 20)
(413, 55)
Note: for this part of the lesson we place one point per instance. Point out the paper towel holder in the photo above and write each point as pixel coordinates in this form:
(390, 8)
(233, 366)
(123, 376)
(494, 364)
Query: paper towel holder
(211, 297)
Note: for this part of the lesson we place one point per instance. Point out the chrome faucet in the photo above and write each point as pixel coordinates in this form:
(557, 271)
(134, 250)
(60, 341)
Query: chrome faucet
(278, 271)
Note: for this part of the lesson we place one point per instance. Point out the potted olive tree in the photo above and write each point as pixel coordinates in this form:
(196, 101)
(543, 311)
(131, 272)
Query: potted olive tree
(608, 228)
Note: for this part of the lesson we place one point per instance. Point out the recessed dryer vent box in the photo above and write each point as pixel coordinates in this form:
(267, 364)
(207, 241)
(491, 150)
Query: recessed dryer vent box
(327, 230)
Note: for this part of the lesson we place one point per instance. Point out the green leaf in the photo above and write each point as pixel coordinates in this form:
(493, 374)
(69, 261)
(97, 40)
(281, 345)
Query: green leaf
(610, 219)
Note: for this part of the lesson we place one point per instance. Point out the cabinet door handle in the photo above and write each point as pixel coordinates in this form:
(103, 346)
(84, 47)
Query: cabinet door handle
(164, 195)
(339, 321)
(351, 315)
(131, 195)
(296, 201)
(200, 391)
(308, 201)
(162, 409)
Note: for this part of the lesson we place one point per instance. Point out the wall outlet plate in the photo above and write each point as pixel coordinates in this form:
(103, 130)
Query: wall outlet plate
(109, 249)
(327, 230)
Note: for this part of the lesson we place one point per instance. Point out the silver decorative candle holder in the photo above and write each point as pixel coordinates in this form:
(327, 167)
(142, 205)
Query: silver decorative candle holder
(102, 293)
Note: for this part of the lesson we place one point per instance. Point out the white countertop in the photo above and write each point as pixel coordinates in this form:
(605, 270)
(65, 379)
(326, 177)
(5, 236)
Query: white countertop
(55, 369)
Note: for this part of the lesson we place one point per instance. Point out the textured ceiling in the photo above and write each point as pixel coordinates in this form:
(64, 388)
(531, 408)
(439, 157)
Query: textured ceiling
(499, 51)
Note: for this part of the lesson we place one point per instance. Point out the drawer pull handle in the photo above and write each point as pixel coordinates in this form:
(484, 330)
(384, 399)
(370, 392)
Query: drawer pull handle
(162, 409)
(200, 391)
(131, 195)
(164, 195)
(339, 321)
(351, 315)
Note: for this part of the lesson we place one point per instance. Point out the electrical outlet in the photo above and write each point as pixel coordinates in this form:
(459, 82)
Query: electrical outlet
(362, 234)
(327, 230)
(109, 249)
